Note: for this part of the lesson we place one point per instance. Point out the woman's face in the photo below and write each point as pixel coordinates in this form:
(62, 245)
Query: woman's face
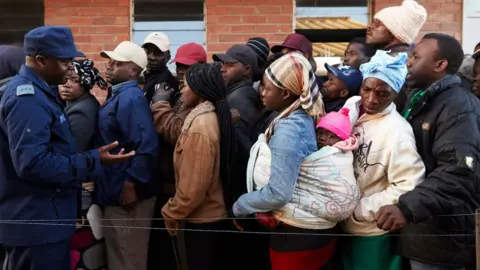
(72, 90)
(274, 98)
(189, 98)
(376, 95)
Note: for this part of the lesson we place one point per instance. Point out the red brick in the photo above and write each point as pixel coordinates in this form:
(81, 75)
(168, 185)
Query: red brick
(228, 19)
(80, 21)
(209, 3)
(280, 19)
(218, 29)
(230, 2)
(286, 28)
(267, 28)
(287, 9)
(246, 10)
(90, 48)
(218, 10)
(270, 9)
(281, 2)
(254, 19)
(254, 2)
(451, 26)
(276, 38)
(56, 21)
(242, 28)
(233, 38)
(431, 26)
(451, 7)
(217, 47)
(442, 17)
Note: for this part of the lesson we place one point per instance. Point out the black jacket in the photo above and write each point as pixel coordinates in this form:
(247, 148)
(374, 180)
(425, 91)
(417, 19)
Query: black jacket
(82, 115)
(243, 97)
(154, 80)
(446, 124)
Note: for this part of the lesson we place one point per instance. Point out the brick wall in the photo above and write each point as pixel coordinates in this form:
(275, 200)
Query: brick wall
(444, 16)
(96, 24)
(235, 21)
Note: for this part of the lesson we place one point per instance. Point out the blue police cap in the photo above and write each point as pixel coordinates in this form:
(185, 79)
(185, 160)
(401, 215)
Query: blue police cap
(55, 41)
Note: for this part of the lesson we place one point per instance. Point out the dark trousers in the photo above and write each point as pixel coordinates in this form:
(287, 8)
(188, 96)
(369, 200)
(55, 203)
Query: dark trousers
(47, 257)
(160, 241)
(201, 246)
(252, 246)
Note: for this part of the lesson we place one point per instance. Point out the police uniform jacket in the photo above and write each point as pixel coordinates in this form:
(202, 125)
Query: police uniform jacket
(40, 169)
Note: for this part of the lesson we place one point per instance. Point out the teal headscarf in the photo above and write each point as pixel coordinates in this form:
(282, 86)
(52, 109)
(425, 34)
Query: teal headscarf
(387, 68)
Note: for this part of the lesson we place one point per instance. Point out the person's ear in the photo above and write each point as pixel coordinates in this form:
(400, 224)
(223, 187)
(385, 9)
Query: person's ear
(286, 94)
(41, 61)
(344, 93)
(248, 71)
(441, 65)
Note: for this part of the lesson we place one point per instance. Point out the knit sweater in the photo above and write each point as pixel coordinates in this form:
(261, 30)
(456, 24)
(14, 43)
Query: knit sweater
(386, 164)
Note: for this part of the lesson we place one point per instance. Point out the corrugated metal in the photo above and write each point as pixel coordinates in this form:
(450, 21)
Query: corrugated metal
(18, 17)
(329, 23)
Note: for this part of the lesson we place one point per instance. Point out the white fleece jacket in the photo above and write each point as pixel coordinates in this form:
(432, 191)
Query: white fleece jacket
(386, 164)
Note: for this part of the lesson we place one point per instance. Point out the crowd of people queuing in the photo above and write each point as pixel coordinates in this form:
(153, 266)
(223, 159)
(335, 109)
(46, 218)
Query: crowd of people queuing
(249, 161)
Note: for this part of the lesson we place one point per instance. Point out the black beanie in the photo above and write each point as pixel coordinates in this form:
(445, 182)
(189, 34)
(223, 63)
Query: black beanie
(261, 48)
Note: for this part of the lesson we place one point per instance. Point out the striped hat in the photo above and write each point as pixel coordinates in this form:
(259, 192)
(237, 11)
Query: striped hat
(261, 48)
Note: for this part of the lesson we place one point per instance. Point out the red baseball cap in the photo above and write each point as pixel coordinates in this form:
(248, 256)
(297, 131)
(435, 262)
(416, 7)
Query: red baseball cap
(296, 42)
(189, 54)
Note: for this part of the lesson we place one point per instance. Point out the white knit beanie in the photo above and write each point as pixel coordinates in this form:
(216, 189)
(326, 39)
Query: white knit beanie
(404, 21)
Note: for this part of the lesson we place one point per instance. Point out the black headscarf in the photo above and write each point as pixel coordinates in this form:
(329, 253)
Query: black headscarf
(206, 81)
(89, 75)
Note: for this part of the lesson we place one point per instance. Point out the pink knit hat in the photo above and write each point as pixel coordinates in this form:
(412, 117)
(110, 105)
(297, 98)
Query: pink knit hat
(337, 122)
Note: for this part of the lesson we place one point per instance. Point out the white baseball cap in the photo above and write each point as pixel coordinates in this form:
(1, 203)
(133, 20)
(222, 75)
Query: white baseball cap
(127, 51)
(158, 39)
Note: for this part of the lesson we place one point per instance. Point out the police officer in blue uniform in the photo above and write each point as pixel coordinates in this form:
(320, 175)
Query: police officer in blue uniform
(40, 169)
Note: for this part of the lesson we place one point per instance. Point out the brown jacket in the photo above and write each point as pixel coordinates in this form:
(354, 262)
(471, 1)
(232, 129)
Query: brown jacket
(168, 123)
(199, 195)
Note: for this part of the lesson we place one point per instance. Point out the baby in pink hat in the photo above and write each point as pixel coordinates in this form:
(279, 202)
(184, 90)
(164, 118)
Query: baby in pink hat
(334, 129)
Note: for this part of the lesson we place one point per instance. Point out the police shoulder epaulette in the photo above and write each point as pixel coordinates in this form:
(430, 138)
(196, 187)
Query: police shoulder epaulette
(25, 89)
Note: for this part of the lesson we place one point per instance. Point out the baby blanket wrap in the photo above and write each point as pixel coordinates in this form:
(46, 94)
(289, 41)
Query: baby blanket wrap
(326, 191)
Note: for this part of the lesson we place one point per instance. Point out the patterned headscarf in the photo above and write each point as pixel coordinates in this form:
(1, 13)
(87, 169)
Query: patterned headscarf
(89, 75)
(293, 72)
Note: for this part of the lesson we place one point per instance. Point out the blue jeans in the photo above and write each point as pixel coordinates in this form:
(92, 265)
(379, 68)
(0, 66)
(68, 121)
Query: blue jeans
(425, 266)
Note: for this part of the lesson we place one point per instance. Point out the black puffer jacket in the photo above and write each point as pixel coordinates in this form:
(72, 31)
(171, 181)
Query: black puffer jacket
(446, 123)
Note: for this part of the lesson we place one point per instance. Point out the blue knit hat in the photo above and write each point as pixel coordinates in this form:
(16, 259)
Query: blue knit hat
(387, 68)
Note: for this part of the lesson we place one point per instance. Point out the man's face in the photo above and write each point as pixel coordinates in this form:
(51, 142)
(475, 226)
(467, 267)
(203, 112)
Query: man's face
(334, 88)
(376, 95)
(378, 34)
(234, 72)
(355, 56)
(422, 64)
(119, 72)
(55, 71)
(476, 78)
(155, 56)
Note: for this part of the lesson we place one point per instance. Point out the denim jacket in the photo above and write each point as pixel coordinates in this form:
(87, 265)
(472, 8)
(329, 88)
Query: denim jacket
(293, 140)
